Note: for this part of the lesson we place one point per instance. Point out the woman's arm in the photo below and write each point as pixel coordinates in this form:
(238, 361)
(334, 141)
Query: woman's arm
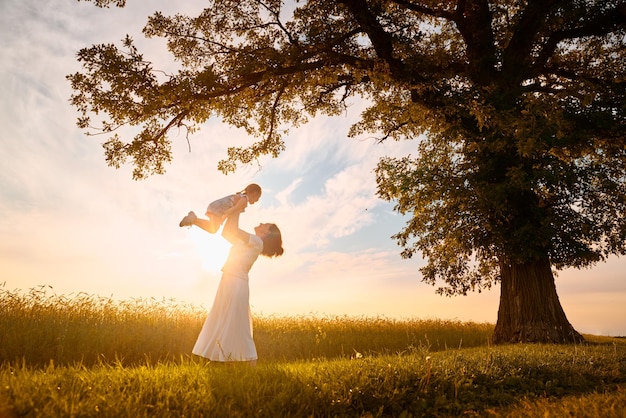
(231, 231)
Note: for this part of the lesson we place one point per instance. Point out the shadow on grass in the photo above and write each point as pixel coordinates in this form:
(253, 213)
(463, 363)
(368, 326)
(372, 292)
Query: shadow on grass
(373, 389)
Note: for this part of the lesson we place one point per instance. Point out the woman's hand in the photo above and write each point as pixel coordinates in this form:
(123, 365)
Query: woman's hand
(238, 207)
(241, 204)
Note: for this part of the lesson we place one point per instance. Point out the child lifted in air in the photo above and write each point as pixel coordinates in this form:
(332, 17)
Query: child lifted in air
(219, 209)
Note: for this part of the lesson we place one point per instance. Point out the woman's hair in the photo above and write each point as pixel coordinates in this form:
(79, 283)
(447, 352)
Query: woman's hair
(252, 188)
(273, 242)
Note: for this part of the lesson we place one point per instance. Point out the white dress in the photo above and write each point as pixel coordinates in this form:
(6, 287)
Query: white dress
(227, 332)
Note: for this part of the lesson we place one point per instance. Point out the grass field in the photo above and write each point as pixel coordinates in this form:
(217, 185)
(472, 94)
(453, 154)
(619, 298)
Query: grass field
(83, 356)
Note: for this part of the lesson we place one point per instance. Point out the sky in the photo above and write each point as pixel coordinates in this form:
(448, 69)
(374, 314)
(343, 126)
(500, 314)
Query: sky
(73, 225)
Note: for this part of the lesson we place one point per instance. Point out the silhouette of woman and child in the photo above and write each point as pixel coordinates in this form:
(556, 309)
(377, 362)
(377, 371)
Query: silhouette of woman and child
(226, 335)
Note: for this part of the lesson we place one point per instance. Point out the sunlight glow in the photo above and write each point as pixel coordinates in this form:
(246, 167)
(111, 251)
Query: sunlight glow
(212, 249)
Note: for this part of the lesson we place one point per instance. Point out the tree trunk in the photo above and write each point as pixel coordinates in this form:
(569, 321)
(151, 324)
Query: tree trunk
(530, 310)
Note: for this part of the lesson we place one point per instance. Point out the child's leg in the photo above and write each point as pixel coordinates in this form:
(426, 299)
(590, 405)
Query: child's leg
(209, 225)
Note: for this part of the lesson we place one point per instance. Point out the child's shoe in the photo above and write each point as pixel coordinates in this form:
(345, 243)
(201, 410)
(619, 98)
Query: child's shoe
(188, 220)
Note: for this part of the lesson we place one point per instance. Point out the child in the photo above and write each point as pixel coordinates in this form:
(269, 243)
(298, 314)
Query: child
(219, 209)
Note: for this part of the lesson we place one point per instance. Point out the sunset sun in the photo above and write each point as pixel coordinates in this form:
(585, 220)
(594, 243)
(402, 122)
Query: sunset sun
(212, 249)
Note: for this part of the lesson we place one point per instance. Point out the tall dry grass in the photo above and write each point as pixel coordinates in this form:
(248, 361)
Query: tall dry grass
(39, 327)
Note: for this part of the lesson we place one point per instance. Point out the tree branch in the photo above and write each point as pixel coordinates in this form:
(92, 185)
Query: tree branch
(601, 25)
(176, 121)
(444, 14)
(473, 19)
(105, 3)
(381, 40)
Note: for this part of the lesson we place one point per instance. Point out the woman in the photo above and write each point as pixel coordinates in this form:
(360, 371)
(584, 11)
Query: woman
(227, 332)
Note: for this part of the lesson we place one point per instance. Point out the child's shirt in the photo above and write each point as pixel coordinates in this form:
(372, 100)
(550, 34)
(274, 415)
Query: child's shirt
(219, 206)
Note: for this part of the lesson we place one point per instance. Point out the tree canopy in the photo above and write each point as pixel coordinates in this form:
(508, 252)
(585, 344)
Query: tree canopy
(518, 109)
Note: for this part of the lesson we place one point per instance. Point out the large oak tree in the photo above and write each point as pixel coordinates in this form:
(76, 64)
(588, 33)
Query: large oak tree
(517, 108)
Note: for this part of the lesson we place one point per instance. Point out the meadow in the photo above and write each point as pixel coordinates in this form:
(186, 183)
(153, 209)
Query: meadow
(83, 355)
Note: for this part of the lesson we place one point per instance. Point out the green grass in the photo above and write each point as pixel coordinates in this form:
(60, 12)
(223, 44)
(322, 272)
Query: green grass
(86, 356)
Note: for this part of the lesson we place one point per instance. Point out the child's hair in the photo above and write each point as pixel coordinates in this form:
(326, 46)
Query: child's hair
(273, 242)
(252, 188)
